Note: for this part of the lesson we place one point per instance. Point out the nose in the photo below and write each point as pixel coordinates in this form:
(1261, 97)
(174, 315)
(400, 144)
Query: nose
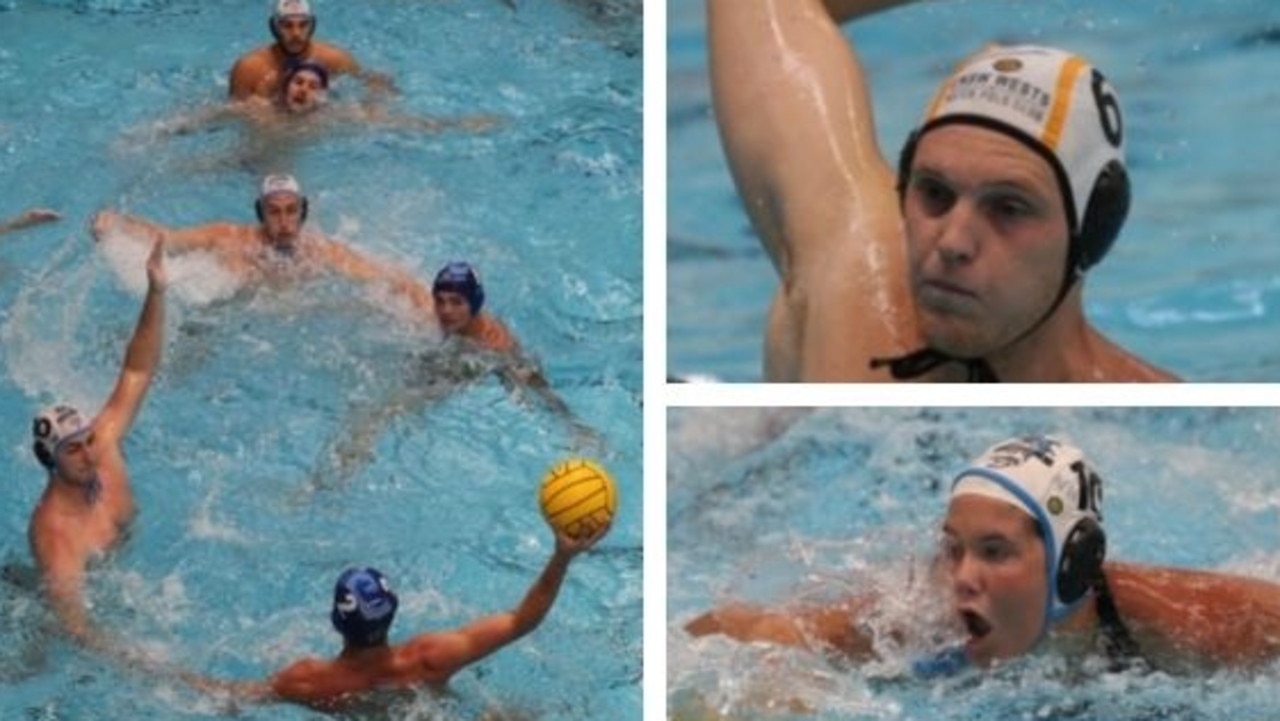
(965, 577)
(957, 243)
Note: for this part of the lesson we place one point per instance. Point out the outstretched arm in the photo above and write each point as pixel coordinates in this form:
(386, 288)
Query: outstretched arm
(215, 236)
(450, 652)
(141, 359)
(524, 374)
(31, 217)
(794, 115)
(346, 261)
(822, 628)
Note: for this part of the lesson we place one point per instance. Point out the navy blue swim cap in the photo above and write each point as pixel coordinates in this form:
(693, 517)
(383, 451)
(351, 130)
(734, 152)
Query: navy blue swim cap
(363, 606)
(316, 69)
(460, 277)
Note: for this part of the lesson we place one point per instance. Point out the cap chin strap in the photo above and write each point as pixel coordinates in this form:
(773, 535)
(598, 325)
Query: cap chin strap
(979, 370)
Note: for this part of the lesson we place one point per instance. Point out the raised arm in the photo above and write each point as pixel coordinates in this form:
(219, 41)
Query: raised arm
(141, 358)
(820, 628)
(448, 653)
(795, 119)
(28, 218)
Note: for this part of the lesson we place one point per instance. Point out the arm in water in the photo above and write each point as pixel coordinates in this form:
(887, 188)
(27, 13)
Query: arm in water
(28, 218)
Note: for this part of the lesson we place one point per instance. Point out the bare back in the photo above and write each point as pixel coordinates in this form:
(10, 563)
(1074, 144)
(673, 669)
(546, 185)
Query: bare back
(795, 120)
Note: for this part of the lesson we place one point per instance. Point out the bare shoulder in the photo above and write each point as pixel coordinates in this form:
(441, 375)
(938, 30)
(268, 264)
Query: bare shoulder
(333, 57)
(1117, 365)
(251, 71)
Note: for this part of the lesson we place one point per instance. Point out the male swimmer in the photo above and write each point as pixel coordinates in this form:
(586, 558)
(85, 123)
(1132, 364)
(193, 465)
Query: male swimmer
(486, 345)
(278, 248)
(87, 501)
(363, 608)
(968, 263)
(293, 24)
(1023, 564)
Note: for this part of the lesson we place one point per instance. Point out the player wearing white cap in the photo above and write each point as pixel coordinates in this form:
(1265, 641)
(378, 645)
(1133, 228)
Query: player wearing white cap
(1023, 564)
(260, 72)
(87, 502)
(278, 247)
(968, 263)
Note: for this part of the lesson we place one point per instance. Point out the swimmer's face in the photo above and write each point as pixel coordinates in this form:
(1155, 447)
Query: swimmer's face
(305, 92)
(294, 32)
(282, 218)
(996, 568)
(76, 459)
(987, 239)
(452, 310)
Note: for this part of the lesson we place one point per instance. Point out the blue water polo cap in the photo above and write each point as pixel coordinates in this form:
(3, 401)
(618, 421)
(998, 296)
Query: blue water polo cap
(460, 277)
(317, 69)
(363, 606)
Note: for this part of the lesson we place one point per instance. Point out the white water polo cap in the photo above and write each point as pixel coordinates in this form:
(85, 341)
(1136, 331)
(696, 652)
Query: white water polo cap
(279, 183)
(1053, 483)
(53, 428)
(1062, 108)
(289, 8)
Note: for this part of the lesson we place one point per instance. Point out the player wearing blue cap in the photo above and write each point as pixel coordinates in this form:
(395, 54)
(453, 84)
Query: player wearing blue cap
(87, 502)
(1023, 561)
(968, 263)
(458, 297)
(293, 24)
(364, 607)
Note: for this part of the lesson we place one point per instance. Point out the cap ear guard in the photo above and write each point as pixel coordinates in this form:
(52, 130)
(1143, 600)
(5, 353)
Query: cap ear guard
(1104, 215)
(1082, 554)
(42, 454)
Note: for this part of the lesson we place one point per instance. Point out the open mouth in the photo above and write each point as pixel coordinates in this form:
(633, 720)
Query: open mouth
(977, 626)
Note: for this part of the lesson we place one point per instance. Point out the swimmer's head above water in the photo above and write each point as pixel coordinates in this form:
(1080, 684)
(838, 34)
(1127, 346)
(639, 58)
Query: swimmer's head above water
(282, 209)
(293, 25)
(363, 607)
(458, 295)
(1018, 108)
(54, 429)
(1023, 543)
(305, 87)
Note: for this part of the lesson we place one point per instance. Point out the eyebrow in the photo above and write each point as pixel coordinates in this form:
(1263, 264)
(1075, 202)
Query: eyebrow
(984, 538)
(1020, 185)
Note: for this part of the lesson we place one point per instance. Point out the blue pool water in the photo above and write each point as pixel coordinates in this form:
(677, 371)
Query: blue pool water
(771, 506)
(1192, 282)
(230, 566)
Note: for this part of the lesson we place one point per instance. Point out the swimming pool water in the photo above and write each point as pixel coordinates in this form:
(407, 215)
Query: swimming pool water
(230, 566)
(774, 505)
(1191, 283)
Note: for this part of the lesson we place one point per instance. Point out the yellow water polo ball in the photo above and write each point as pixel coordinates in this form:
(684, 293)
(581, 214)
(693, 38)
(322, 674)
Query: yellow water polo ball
(577, 496)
